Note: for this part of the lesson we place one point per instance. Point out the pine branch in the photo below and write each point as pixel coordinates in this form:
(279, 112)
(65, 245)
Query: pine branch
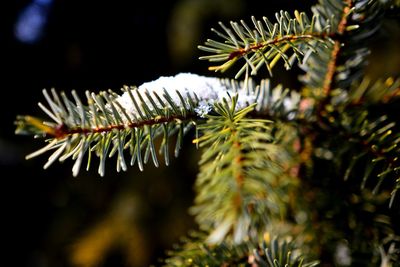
(280, 254)
(316, 43)
(373, 144)
(194, 252)
(320, 67)
(367, 93)
(275, 253)
(242, 180)
(267, 42)
(111, 124)
(373, 138)
(330, 47)
(341, 63)
(381, 144)
(106, 126)
(336, 66)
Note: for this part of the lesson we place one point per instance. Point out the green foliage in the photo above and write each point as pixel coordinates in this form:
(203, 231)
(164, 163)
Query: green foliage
(367, 93)
(374, 143)
(106, 128)
(241, 180)
(193, 252)
(321, 160)
(267, 42)
(103, 127)
(280, 254)
(342, 62)
(276, 253)
(372, 138)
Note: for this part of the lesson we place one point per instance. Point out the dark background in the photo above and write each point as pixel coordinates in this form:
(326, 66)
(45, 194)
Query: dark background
(127, 219)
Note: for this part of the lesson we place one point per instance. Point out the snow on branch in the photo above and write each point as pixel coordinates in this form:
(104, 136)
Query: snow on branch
(207, 91)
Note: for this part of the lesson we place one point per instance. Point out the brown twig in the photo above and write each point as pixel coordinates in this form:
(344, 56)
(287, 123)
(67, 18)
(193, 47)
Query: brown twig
(286, 38)
(327, 86)
(63, 130)
(331, 69)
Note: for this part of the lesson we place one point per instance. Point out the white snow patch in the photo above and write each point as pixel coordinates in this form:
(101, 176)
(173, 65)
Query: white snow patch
(205, 92)
(207, 89)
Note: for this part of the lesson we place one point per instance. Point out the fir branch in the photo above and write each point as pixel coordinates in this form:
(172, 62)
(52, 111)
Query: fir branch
(105, 127)
(266, 43)
(194, 252)
(241, 175)
(331, 63)
(275, 253)
(111, 124)
(336, 66)
(280, 254)
(376, 142)
(367, 93)
(375, 139)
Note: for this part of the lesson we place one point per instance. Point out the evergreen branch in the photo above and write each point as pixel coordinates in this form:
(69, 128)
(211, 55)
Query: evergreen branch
(376, 142)
(266, 43)
(366, 92)
(280, 254)
(328, 56)
(111, 124)
(337, 65)
(106, 126)
(241, 177)
(274, 253)
(353, 218)
(194, 252)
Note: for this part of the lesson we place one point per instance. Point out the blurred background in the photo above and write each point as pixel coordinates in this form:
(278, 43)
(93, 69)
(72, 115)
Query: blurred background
(50, 218)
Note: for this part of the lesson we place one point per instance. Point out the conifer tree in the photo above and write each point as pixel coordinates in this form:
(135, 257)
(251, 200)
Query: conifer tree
(288, 176)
